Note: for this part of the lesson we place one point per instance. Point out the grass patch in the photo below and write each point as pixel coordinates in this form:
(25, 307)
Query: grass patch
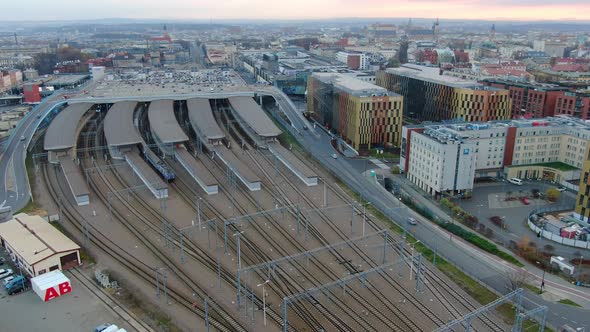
(386, 155)
(555, 165)
(85, 257)
(533, 288)
(569, 302)
(31, 207)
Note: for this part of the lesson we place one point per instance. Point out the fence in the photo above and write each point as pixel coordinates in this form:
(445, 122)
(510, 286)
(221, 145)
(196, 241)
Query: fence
(551, 235)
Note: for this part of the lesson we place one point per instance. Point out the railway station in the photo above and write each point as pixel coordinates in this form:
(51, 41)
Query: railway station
(166, 131)
(253, 119)
(60, 144)
(302, 171)
(149, 177)
(119, 129)
(203, 122)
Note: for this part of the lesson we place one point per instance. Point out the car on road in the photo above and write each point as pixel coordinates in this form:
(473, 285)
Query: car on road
(22, 138)
(515, 181)
(525, 201)
(412, 221)
(5, 273)
(561, 189)
(335, 156)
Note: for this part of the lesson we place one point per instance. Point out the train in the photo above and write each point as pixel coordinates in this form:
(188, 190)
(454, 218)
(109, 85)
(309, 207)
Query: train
(165, 172)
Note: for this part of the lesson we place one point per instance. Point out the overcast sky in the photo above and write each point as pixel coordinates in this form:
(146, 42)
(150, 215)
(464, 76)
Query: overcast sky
(295, 9)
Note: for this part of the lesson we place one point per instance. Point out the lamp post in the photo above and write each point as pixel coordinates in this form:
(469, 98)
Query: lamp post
(239, 253)
(263, 300)
(542, 278)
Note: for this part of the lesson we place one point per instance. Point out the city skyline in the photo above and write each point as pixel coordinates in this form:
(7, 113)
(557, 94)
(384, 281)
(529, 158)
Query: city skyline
(503, 10)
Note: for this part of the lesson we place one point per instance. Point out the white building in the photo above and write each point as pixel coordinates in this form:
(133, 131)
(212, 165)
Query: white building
(354, 60)
(552, 149)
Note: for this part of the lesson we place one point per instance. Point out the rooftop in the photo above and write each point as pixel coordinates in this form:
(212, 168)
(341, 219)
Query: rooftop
(352, 85)
(61, 133)
(34, 239)
(62, 80)
(163, 122)
(251, 113)
(433, 74)
(201, 118)
(118, 124)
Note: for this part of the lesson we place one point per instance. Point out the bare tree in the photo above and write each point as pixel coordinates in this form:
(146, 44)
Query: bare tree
(517, 278)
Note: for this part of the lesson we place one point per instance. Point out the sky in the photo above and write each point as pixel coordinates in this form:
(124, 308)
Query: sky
(296, 9)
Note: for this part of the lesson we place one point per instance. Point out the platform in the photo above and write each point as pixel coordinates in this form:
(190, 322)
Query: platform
(251, 114)
(302, 171)
(197, 170)
(241, 170)
(61, 134)
(75, 180)
(163, 123)
(149, 177)
(201, 118)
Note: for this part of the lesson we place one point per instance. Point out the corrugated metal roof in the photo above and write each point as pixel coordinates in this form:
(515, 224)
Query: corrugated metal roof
(118, 124)
(201, 118)
(33, 238)
(251, 113)
(163, 122)
(61, 133)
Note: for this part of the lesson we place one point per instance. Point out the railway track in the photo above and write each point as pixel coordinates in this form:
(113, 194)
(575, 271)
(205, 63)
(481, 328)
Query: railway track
(436, 283)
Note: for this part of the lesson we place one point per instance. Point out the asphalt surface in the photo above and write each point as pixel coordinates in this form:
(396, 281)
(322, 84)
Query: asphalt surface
(14, 186)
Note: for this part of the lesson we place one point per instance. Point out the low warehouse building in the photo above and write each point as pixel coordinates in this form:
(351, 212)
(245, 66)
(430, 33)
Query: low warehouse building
(36, 246)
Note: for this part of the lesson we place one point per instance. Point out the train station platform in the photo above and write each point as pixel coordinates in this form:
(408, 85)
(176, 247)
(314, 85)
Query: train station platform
(75, 180)
(119, 128)
(251, 115)
(302, 171)
(164, 126)
(241, 170)
(201, 118)
(149, 177)
(197, 171)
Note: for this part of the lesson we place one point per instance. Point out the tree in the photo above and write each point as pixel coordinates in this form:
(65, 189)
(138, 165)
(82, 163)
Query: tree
(552, 194)
(393, 62)
(44, 62)
(402, 54)
(517, 278)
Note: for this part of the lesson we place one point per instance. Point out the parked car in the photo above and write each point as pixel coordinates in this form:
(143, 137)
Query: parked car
(17, 280)
(17, 289)
(5, 273)
(7, 280)
(2, 260)
(515, 181)
(412, 221)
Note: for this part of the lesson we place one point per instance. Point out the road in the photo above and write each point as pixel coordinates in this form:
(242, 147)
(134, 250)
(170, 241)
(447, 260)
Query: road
(481, 266)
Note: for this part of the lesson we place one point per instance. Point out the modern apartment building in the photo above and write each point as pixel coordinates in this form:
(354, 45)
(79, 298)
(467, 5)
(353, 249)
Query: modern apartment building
(551, 149)
(430, 95)
(582, 210)
(365, 115)
(528, 99)
(354, 60)
(576, 104)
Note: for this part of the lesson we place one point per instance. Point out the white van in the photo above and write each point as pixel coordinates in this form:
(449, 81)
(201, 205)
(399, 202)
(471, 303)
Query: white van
(515, 181)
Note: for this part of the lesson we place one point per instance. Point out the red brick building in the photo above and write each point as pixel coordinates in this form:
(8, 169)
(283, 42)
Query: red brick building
(574, 104)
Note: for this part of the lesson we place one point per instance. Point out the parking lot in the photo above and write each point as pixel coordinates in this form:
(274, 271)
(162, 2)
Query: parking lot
(79, 310)
(489, 199)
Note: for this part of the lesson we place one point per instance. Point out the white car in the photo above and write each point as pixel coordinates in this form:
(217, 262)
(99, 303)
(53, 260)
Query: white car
(7, 280)
(515, 181)
(335, 156)
(561, 189)
(412, 221)
(5, 273)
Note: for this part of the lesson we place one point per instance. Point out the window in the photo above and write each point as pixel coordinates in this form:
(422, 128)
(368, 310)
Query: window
(42, 271)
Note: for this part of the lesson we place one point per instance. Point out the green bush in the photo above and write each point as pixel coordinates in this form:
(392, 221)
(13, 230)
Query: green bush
(480, 242)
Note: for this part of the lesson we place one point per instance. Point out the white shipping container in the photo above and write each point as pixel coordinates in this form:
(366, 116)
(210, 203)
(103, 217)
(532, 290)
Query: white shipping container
(51, 285)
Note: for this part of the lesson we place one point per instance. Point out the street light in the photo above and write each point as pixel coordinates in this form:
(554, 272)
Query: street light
(542, 279)
(263, 300)
(579, 267)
